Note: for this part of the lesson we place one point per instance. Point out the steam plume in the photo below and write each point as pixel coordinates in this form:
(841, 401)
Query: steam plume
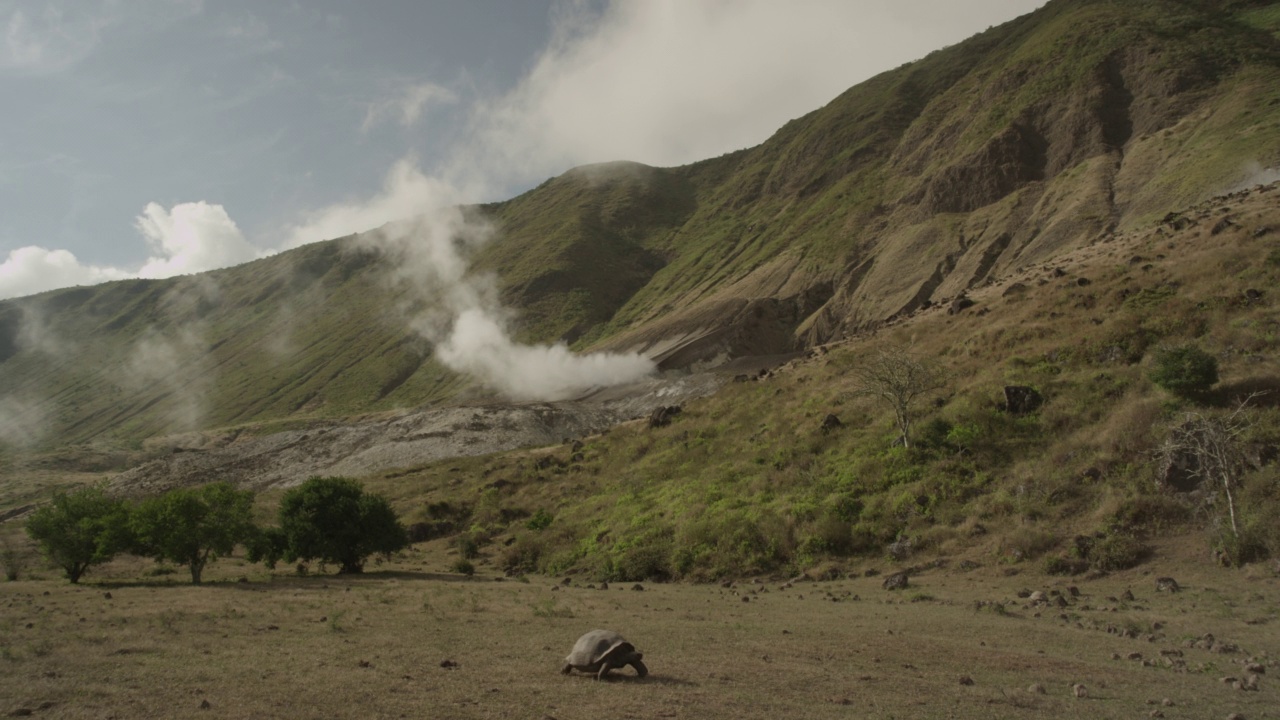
(464, 318)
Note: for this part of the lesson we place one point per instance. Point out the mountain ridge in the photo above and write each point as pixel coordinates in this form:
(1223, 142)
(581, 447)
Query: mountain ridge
(1033, 138)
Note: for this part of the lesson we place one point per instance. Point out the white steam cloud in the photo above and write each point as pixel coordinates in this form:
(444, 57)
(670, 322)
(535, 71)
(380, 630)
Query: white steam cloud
(1256, 174)
(23, 421)
(173, 365)
(479, 346)
(464, 320)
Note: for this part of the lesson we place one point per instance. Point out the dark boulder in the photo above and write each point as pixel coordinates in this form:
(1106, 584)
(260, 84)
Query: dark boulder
(1020, 399)
(831, 422)
(960, 304)
(661, 416)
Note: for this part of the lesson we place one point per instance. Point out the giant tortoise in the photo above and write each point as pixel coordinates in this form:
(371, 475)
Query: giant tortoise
(600, 651)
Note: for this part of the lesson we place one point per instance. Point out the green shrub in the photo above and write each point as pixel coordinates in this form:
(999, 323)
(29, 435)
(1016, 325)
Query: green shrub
(13, 561)
(523, 555)
(463, 567)
(80, 529)
(1184, 370)
(1028, 543)
(1117, 551)
(468, 545)
(541, 520)
(649, 559)
(1059, 565)
(193, 526)
(333, 520)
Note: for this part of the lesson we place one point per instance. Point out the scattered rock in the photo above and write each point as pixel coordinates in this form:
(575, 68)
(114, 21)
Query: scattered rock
(1127, 596)
(1256, 668)
(448, 664)
(896, 581)
(1079, 691)
(604, 586)
(1167, 584)
(637, 587)
(1014, 289)
(106, 595)
(1036, 689)
(661, 416)
(205, 704)
(960, 304)
(966, 680)
(365, 664)
(1083, 282)
(831, 422)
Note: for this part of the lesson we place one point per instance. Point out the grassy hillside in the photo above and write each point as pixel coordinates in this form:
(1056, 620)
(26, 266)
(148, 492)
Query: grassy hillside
(1031, 139)
(747, 481)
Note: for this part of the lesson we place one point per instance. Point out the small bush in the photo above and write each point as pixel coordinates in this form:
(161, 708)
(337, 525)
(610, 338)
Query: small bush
(523, 555)
(1184, 370)
(1117, 551)
(1059, 565)
(468, 545)
(1028, 543)
(463, 567)
(541, 520)
(13, 561)
(649, 560)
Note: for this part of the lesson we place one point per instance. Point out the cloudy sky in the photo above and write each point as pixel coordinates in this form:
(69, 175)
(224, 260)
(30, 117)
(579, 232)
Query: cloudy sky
(148, 138)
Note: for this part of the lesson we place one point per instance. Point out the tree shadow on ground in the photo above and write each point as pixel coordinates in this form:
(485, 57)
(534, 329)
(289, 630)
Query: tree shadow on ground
(1257, 391)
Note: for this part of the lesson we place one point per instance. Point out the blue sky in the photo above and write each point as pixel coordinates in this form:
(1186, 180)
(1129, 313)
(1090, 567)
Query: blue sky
(147, 138)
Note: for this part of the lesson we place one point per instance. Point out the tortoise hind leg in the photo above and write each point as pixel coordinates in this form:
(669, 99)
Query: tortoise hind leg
(641, 670)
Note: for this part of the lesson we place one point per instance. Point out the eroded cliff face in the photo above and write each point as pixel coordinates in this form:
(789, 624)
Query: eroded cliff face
(1025, 142)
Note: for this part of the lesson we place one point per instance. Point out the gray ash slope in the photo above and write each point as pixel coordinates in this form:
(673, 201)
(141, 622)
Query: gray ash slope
(401, 440)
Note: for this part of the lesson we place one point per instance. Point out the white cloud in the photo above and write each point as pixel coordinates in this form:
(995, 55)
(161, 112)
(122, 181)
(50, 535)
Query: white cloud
(29, 270)
(190, 238)
(406, 105)
(668, 82)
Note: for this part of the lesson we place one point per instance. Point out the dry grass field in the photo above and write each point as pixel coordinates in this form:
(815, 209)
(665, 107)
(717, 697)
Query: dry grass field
(129, 643)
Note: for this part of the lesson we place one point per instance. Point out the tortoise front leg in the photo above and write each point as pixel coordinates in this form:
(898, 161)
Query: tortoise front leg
(604, 670)
(566, 669)
(641, 670)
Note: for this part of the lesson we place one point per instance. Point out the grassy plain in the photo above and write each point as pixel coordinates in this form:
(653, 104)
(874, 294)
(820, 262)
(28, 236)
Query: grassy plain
(133, 644)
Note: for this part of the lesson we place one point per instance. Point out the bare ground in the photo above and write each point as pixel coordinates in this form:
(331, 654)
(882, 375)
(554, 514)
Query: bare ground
(376, 645)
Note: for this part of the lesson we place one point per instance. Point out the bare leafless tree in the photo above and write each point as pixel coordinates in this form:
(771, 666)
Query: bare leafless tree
(1211, 451)
(900, 378)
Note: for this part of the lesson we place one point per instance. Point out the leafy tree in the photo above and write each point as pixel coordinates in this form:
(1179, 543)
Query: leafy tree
(333, 520)
(80, 529)
(192, 526)
(899, 378)
(1184, 370)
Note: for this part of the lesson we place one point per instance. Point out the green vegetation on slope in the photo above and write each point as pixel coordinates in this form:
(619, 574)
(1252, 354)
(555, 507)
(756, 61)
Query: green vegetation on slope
(748, 481)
